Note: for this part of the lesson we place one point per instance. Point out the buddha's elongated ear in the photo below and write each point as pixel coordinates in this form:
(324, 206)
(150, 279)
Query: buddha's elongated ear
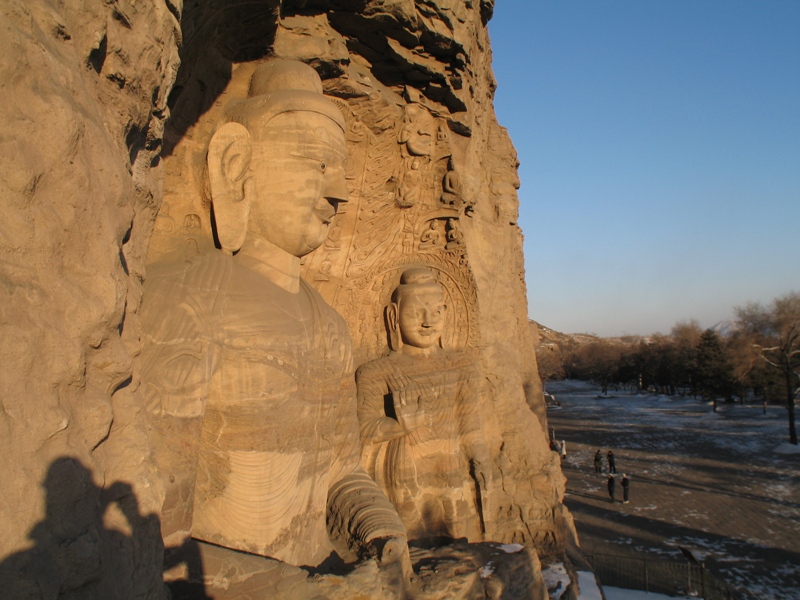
(228, 165)
(393, 325)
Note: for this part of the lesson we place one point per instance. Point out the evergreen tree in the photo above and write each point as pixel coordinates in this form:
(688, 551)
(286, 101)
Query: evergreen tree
(713, 372)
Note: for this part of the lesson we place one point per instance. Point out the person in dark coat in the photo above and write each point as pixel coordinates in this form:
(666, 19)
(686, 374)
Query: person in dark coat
(612, 462)
(626, 484)
(598, 462)
(612, 487)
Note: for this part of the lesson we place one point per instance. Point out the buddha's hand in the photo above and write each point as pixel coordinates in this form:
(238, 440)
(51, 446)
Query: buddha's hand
(408, 398)
(392, 555)
(388, 550)
(410, 407)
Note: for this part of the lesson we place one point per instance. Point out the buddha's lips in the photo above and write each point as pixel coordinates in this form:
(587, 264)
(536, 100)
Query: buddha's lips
(325, 215)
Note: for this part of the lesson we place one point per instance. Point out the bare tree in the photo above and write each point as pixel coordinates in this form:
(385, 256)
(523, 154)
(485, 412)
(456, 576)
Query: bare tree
(776, 339)
(549, 362)
(601, 359)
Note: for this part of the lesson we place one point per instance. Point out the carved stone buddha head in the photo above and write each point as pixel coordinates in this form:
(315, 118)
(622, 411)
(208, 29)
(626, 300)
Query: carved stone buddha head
(416, 315)
(276, 168)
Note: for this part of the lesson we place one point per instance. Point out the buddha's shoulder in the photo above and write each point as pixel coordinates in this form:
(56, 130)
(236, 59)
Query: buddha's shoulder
(326, 311)
(204, 272)
(377, 367)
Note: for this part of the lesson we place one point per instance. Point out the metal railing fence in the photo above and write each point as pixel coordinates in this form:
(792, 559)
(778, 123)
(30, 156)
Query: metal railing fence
(663, 576)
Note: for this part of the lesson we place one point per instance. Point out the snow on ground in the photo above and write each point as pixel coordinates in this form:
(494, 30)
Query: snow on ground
(556, 580)
(510, 548)
(587, 587)
(787, 448)
(487, 570)
(725, 485)
(667, 421)
(614, 593)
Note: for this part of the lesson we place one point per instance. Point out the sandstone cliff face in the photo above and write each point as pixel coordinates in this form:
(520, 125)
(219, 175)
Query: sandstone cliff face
(85, 86)
(88, 88)
(423, 69)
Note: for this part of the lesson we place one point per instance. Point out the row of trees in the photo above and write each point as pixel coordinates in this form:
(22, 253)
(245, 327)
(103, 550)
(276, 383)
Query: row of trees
(758, 357)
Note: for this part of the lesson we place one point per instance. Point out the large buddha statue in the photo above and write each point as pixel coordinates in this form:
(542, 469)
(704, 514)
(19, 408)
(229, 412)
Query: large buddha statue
(421, 429)
(247, 371)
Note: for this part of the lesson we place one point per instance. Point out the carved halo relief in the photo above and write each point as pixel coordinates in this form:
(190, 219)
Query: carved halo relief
(373, 295)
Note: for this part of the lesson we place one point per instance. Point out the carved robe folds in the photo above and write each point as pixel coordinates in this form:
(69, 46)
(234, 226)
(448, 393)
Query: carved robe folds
(251, 393)
(419, 453)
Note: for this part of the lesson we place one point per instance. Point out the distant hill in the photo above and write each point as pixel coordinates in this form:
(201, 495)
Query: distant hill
(725, 328)
(549, 336)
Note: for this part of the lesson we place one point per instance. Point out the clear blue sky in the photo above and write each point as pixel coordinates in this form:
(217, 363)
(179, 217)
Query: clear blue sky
(659, 143)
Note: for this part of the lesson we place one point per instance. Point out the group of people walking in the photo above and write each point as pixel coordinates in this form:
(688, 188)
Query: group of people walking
(612, 488)
(612, 470)
(599, 463)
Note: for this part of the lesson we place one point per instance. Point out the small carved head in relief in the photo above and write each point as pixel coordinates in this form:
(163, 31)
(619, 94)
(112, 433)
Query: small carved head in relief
(276, 169)
(416, 315)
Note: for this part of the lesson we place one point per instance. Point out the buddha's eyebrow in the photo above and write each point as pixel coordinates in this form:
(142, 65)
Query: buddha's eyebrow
(296, 155)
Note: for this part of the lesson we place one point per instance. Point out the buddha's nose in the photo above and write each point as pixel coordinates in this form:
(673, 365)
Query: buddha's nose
(335, 185)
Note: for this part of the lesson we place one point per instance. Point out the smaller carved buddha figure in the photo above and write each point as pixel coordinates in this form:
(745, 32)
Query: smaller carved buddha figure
(334, 241)
(441, 133)
(421, 429)
(191, 228)
(451, 187)
(408, 193)
(164, 222)
(431, 237)
(414, 135)
(454, 236)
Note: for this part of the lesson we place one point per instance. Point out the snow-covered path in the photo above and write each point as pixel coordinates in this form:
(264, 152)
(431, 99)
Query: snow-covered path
(712, 483)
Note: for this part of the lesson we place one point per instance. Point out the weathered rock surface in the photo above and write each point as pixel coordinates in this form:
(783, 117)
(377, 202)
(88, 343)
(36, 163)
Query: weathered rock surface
(457, 571)
(89, 172)
(84, 101)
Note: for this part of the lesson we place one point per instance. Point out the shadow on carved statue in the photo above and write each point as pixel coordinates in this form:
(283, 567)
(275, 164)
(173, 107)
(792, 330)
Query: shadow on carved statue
(87, 534)
(190, 583)
(214, 37)
(247, 371)
(421, 428)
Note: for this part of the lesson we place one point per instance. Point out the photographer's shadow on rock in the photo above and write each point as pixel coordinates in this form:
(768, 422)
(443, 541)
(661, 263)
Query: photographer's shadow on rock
(92, 543)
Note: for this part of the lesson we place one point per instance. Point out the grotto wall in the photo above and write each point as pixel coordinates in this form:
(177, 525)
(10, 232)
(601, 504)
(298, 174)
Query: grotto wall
(103, 173)
(85, 88)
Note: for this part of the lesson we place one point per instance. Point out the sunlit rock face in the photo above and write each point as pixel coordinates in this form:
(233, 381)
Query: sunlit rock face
(85, 88)
(106, 181)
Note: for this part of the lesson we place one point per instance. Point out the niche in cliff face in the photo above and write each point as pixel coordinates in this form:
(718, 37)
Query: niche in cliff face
(429, 181)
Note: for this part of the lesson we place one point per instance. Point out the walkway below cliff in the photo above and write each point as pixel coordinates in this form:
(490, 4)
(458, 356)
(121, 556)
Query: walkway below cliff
(725, 486)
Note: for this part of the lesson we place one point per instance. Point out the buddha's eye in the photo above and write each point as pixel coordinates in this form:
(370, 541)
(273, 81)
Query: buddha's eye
(322, 166)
